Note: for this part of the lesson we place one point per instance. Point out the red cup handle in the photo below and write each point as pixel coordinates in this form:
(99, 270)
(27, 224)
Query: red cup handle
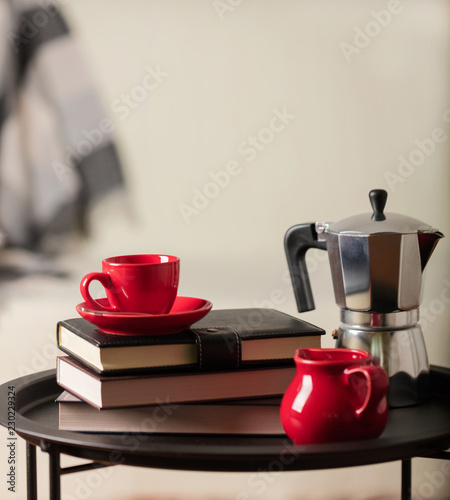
(377, 384)
(105, 280)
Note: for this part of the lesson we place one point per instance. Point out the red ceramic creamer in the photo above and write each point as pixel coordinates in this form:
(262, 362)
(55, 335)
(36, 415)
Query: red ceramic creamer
(336, 395)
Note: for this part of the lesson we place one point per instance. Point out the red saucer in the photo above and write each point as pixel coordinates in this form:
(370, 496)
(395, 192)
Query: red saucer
(185, 312)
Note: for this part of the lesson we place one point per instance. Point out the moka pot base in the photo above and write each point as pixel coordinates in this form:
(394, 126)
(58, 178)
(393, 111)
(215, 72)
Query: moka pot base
(395, 340)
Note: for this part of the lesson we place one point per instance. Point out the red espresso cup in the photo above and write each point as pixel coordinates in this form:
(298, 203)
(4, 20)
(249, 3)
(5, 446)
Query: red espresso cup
(145, 283)
(336, 395)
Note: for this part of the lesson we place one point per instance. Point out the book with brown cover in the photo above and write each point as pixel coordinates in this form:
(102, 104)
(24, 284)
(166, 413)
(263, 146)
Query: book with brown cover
(121, 391)
(250, 416)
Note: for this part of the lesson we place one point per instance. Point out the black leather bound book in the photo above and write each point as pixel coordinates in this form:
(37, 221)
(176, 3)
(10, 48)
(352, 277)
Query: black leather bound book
(225, 339)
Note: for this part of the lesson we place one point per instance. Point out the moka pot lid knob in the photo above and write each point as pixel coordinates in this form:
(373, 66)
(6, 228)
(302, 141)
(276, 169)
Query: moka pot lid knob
(379, 222)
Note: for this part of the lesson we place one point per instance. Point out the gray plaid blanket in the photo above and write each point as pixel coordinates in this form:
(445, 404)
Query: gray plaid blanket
(57, 155)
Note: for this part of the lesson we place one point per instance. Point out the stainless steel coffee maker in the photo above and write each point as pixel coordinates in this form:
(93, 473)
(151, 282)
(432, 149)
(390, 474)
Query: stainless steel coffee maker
(377, 260)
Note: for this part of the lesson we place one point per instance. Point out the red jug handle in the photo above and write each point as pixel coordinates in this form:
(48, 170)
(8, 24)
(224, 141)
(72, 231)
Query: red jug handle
(377, 381)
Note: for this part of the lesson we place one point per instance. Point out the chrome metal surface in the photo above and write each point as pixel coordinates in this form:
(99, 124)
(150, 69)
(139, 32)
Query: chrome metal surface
(401, 352)
(368, 320)
(321, 227)
(409, 283)
(377, 259)
(362, 224)
(379, 273)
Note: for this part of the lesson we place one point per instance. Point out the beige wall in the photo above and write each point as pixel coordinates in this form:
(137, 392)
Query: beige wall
(351, 114)
(217, 73)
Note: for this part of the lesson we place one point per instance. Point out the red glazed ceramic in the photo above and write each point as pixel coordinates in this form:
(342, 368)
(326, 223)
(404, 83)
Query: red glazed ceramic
(336, 395)
(185, 312)
(135, 283)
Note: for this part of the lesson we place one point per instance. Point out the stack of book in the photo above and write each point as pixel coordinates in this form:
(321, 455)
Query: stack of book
(224, 375)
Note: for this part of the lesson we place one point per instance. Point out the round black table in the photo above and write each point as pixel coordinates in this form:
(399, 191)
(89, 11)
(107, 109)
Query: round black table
(28, 409)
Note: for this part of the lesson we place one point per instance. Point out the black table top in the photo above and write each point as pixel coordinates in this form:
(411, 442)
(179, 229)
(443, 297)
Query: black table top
(414, 431)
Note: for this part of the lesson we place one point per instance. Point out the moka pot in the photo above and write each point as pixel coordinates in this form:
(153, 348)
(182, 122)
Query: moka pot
(377, 262)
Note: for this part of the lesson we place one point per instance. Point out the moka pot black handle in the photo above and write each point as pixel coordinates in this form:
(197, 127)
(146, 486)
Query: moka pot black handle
(298, 239)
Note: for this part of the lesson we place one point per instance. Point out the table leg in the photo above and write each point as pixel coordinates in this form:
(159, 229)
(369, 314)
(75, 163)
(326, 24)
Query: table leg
(406, 479)
(55, 475)
(31, 472)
